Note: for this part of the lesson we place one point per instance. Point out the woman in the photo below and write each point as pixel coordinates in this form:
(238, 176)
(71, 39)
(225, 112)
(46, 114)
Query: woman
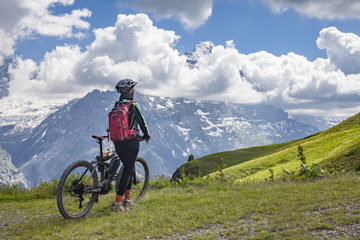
(128, 150)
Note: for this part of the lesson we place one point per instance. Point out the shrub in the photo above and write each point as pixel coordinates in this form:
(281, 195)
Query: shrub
(305, 170)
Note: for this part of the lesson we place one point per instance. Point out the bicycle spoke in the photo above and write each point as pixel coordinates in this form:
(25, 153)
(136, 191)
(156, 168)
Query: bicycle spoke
(74, 198)
(83, 175)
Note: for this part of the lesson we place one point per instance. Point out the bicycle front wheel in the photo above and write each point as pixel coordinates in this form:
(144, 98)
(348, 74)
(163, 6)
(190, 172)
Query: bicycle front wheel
(139, 178)
(76, 190)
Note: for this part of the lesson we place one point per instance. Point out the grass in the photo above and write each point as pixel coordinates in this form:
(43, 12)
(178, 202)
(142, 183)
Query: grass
(14, 193)
(324, 208)
(202, 208)
(323, 149)
(207, 164)
(337, 147)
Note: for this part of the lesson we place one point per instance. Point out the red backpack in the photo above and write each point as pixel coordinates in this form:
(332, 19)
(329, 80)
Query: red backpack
(119, 122)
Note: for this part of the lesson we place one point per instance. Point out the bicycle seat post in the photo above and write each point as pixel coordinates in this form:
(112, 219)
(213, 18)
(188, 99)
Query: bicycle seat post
(100, 139)
(101, 148)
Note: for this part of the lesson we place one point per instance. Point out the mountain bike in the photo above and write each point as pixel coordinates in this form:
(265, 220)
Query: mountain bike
(80, 186)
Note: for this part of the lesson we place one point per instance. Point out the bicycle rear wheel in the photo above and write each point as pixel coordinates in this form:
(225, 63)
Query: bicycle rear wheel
(139, 179)
(75, 194)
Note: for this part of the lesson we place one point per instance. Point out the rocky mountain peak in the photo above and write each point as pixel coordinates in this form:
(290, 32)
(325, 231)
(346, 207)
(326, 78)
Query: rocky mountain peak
(201, 51)
(9, 174)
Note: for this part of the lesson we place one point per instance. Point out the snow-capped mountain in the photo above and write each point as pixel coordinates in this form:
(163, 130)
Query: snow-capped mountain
(178, 127)
(43, 138)
(21, 113)
(9, 174)
(321, 123)
(200, 52)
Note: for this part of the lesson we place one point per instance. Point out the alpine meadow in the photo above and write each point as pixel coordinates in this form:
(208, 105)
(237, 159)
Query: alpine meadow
(182, 119)
(242, 194)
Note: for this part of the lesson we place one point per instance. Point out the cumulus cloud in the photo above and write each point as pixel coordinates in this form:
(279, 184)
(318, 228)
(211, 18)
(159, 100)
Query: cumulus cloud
(133, 48)
(343, 49)
(26, 18)
(137, 49)
(191, 14)
(327, 9)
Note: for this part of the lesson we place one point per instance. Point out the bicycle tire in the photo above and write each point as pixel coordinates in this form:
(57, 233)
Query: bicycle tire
(140, 184)
(75, 183)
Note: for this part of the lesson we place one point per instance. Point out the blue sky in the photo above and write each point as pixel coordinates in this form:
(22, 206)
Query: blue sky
(302, 56)
(251, 24)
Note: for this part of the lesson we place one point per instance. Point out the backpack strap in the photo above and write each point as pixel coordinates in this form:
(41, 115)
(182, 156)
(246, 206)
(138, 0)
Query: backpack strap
(130, 102)
(132, 118)
(116, 105)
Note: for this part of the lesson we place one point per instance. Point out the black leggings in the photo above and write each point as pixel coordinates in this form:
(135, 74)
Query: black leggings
(127, 152)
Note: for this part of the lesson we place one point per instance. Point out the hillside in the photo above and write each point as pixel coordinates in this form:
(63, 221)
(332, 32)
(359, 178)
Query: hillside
(218, 210)
(337, 147)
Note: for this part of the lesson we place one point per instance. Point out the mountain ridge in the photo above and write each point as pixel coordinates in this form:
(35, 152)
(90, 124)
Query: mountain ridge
(178, 127)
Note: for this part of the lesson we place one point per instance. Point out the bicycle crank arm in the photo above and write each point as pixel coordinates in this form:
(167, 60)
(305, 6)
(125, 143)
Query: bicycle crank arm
(93, 190)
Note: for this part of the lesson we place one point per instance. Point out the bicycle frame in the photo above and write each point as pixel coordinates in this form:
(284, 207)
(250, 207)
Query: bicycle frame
(101, 160)
(95, 178)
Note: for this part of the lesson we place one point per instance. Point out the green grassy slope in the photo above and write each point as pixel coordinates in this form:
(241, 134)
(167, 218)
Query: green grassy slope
(264, 210)
(207, 164)
(326, 208)
(337, 147)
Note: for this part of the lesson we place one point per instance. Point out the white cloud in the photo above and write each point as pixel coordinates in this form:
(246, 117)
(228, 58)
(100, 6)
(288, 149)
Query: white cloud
(25, 18)
(343, 49)
(135, 48)
(191, 14)
(289, 79)
(326, 9)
